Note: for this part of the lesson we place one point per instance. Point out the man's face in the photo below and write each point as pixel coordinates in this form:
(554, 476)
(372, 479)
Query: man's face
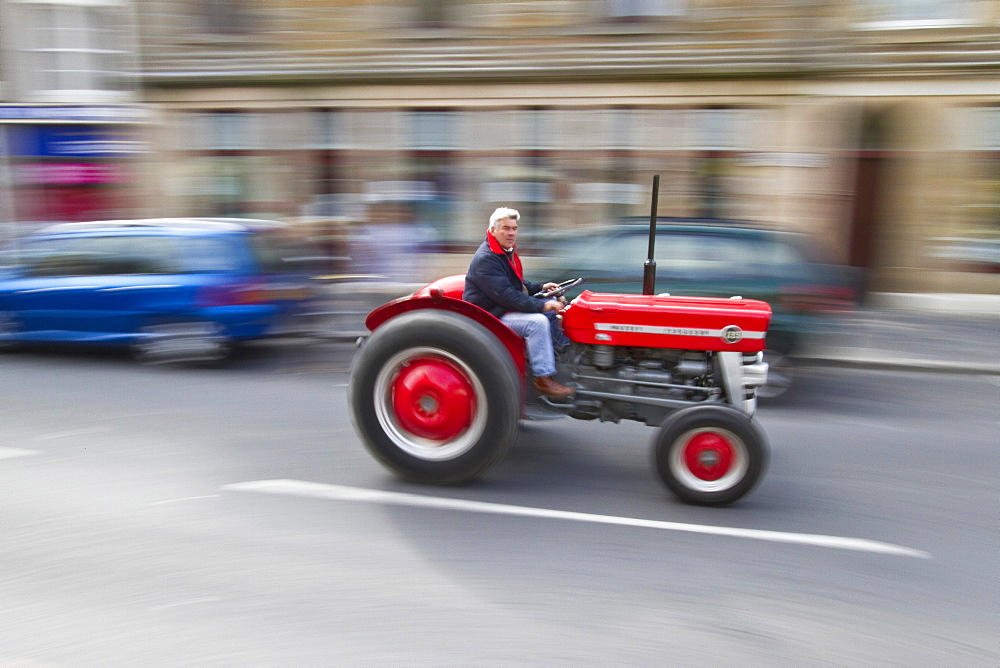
(505, 232)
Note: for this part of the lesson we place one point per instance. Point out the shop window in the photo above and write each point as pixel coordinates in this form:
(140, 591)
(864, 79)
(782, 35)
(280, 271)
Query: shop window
(432, 130)
(226, 17)
(495, 130)
(325, 141)
(229, 131)
(435, 13)
(720, 129)
(536, 129)
(581, 129)
(326, 130)
(660, 129)
(372, 129)
(974, 243)
(638, 10)
(892, 14)
(430, 187)
(987, 121)
(622, 133)
(717, 136)
(219, 174)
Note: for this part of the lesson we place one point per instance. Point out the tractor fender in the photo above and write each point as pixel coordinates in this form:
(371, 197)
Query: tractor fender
(435, 299)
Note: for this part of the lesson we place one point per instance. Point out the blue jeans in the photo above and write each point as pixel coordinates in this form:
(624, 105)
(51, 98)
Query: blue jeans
(536, 331)
(559, 338)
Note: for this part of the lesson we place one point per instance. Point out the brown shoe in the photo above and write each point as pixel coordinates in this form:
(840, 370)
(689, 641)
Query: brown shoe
(548, 386)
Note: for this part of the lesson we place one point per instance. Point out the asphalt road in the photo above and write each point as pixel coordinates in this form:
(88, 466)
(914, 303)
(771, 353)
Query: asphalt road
(139, 528)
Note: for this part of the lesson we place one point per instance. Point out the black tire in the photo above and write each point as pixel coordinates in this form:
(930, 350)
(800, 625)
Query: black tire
(435, 397)
(183, 341)
(710, 455)
(8, 327)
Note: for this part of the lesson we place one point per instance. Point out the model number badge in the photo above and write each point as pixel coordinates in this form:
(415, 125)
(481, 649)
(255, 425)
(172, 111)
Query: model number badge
(732, 334)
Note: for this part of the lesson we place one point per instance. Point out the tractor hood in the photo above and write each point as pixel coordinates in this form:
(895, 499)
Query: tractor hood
(648, 321)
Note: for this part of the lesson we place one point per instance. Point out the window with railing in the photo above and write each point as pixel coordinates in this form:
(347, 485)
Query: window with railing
(891, 14)
(435, 13)
(640, 10)
(71, 48)
(227, 17)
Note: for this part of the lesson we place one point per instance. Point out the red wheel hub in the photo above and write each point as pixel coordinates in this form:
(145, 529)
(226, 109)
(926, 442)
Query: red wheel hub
(708, 455)
(433, 399)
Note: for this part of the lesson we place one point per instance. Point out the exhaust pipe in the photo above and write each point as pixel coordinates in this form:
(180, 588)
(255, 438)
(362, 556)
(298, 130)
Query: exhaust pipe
(649, 268)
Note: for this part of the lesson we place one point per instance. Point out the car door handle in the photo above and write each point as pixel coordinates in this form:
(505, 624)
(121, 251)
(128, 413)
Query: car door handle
(137, 287)
(56, 289)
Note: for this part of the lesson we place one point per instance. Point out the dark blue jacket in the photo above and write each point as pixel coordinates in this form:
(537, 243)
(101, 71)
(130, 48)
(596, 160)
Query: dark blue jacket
(493, 283)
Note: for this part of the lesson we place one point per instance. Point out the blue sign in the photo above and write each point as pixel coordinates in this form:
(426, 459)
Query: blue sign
(20, 140)
(70, 141)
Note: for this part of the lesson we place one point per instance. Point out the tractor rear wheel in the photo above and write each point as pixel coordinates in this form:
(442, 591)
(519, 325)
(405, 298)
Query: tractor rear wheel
(434, 397)
(710, 455)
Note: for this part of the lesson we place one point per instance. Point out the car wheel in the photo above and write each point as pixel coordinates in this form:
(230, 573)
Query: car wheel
(8, 328)
(174, 341)
(710, 455)
(435, 398)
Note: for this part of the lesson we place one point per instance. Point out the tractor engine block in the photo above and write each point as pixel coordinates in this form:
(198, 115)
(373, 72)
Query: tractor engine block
(646, 384)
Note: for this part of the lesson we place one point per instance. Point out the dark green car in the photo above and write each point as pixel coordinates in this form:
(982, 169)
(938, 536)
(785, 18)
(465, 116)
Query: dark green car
(715, 259)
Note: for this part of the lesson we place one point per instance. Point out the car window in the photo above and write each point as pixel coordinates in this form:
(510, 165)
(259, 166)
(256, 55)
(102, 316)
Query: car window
(67, 256)
(614, 253)
(695, 254)
(142, 255)
(210, 255)
(127, 255)
(684, 253)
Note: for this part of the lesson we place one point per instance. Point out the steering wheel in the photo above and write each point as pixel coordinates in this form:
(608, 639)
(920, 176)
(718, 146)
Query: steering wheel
(560, 289)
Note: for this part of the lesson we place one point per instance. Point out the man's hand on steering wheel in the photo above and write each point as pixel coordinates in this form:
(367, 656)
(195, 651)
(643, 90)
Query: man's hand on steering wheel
(556, 296)
(551, 289)
(554, 305)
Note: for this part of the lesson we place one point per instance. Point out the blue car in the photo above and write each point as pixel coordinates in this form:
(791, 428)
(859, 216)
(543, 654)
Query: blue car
(169, 289)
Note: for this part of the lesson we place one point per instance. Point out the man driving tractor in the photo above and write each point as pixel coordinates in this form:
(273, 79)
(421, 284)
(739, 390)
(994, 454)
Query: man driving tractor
(495, 282)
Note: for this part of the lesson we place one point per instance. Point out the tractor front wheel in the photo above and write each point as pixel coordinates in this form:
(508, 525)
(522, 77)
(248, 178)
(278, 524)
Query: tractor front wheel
(710, 455)
(434, 397)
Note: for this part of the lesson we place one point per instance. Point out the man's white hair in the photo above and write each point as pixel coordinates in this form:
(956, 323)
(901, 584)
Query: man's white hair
(501, 213)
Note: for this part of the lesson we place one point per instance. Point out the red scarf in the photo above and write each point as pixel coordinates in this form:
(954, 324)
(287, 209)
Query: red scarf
(515, 261)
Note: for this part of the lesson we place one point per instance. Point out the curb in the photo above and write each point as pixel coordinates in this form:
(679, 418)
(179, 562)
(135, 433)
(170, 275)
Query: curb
(898, 364)
(868, 361)
(979, 305)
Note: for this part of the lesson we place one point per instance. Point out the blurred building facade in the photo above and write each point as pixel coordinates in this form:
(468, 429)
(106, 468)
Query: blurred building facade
(873, 125)
(71, 123)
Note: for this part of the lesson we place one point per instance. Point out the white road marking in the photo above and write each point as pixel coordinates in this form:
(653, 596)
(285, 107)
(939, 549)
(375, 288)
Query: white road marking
(89, 431)
(185, 498)
(193, 601)
(342, 493)
(10, 453)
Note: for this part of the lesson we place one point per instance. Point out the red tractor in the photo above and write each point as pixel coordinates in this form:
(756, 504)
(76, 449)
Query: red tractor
(439, 387)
